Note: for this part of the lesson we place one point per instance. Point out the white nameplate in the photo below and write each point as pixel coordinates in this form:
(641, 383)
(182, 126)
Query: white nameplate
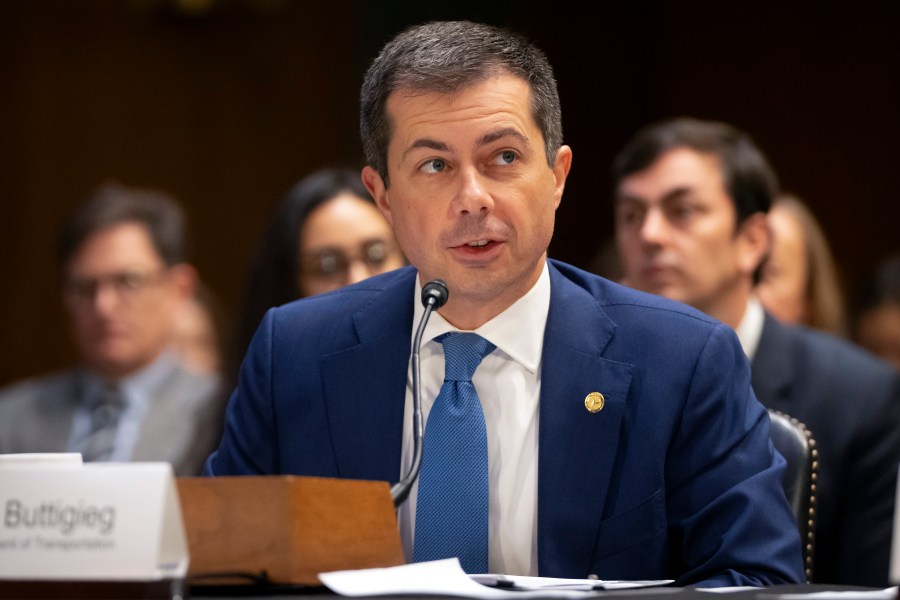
(60, 519)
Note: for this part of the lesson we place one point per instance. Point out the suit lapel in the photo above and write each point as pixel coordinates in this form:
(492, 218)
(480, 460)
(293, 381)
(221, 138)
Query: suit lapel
(365, 387)
(577, 448)
(58, 409)
(772, 368)
(169, 427)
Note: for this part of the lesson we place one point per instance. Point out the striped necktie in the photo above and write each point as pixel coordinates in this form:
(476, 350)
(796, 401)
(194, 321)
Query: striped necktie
(106, 409)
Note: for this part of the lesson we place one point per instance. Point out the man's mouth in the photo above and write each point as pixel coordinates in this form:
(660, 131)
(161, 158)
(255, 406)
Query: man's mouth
(657, 272)
(478, 249)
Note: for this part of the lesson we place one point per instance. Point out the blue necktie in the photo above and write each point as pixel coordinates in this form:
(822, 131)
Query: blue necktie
(452, 502)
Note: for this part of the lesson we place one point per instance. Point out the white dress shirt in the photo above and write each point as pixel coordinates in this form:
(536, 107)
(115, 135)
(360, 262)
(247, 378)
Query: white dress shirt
(750, 329)
(508, 382)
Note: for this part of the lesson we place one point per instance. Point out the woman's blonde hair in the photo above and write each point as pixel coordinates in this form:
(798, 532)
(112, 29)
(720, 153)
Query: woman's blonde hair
(824, 294)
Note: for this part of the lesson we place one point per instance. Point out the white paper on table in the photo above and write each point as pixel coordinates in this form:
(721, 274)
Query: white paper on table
(885, 594)
(521, 582)
(446, 578)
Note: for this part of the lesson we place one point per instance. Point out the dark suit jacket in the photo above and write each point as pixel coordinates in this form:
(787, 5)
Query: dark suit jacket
(674, 478)
(850, 401)
(36, 416)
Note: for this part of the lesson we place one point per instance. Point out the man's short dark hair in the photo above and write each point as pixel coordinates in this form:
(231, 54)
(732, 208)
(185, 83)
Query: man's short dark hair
(114, 204)
(445, 57)
(746, 174)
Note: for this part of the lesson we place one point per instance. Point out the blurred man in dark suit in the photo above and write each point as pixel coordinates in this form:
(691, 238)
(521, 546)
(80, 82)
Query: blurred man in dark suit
(691, 199)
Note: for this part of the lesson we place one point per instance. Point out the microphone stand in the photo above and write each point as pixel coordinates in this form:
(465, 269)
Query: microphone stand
(434, 296)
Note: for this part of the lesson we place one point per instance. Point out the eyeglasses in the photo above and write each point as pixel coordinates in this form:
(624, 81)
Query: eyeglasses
(127, 285)
(334, 263)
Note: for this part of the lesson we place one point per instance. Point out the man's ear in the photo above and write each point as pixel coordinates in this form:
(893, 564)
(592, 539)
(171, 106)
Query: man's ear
(375, 184)
(754, 242)
(561, 171)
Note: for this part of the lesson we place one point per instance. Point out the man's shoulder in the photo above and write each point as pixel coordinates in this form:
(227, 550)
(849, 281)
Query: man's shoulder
(622, 301)
(58, 386)
(821, 368)
(396, 283)
(198, 387)
(341, 317)
(824, 351)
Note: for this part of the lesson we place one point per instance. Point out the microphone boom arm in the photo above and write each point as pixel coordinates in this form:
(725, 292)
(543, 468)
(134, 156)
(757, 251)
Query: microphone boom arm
(434, 296)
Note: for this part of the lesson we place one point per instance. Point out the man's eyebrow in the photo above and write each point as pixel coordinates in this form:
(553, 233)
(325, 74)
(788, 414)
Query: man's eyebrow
(487, 138)
(673, 194)
(427, 143)
(500, 134)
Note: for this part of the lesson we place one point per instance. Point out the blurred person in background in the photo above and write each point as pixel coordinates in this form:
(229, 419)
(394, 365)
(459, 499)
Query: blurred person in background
(876, 313)
(125, 280)
(198, 332)
(691, 199)
(325, 233)
(799, 282)
(605, 262)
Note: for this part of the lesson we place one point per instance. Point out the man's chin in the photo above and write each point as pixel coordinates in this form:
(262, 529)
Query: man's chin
(652, 286)
(666, 290)
(113, 365)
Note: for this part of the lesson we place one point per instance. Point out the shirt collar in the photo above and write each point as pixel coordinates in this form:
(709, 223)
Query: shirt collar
(750, 329)
(518, 331)
(139, 385)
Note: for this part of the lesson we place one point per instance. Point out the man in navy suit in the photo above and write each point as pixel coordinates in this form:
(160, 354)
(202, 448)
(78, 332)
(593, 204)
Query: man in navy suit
(691, 204)
(623, 438)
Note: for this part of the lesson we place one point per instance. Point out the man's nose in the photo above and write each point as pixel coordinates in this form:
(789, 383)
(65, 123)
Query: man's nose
(655, 228)
(472, 196)
(105, 299)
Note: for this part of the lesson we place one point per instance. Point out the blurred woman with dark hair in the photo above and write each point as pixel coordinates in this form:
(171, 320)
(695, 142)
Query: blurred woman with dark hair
(326, 233)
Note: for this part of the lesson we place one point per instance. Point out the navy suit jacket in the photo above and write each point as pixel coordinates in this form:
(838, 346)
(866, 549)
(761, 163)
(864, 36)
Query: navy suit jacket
(850, 401)
(674, 478)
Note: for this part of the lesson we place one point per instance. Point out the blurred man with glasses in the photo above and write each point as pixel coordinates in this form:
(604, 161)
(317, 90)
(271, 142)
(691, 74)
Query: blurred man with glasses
(125, 279)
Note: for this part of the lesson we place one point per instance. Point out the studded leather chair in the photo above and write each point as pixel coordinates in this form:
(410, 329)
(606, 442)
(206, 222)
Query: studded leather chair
(796, 444)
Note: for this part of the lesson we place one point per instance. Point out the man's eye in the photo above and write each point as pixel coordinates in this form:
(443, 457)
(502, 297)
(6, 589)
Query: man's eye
(683, 212)
(435, 165)
(507, 157)
(629, 215)
(129, 281)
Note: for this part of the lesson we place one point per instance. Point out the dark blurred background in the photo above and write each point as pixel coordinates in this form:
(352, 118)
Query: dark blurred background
(226, 103)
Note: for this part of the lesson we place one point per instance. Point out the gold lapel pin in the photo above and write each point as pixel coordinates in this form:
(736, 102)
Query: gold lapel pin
(594, 402)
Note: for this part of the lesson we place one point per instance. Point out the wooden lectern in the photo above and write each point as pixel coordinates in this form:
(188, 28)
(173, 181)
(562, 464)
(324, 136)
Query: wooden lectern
(290, 528)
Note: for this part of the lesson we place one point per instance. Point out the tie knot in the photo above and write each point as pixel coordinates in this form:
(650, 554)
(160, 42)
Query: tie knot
(463, 353)
(109, 398)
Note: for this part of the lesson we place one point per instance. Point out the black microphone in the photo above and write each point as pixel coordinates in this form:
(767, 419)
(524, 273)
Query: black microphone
(434, 296)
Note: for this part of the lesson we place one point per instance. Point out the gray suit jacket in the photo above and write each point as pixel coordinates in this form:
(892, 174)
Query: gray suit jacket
(850, 401)
(181, 426)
